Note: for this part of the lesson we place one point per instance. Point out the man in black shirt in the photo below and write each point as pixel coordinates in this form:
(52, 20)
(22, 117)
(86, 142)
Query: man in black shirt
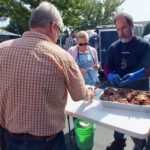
(125, 56)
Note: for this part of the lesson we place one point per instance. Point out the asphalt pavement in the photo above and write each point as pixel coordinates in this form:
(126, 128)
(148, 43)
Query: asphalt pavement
(103, 137)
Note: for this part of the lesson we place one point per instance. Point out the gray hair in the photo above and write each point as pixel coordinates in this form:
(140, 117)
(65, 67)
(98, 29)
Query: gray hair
(82, 34)
(45, 14)
(128, 18)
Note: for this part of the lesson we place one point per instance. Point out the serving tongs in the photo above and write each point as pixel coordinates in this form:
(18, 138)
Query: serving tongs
(98, 85)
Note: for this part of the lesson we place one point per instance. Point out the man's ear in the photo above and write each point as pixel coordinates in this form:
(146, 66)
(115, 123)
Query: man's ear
(132, 26)
(51, 28)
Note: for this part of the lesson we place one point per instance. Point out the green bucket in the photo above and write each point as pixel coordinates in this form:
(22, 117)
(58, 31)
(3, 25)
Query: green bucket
(84, 134)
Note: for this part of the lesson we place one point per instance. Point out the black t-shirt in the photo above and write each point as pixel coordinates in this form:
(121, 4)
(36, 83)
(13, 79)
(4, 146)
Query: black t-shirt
(124, 58)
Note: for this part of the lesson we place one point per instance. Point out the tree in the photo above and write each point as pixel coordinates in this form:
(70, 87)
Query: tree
(78, 14)
(99, 13)
(18, 14)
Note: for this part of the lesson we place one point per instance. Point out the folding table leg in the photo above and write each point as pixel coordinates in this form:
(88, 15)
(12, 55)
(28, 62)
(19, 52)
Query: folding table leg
(68, 118)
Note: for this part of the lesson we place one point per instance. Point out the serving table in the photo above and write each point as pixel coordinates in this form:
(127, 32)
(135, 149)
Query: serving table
(133, 123)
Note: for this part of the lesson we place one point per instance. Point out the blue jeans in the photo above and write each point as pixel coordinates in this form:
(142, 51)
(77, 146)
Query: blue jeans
(13, 143)
(147, 147)
(118, 136)
(139, 143)
(2, 143)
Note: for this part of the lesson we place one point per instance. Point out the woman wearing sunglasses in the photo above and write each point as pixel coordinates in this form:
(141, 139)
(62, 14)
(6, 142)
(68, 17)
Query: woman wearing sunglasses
(86, 58)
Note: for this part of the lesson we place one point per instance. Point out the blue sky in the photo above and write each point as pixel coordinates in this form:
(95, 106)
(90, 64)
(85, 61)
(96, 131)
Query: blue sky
(138, 9)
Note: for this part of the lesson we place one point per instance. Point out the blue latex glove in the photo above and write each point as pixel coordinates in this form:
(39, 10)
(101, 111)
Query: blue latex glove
(114, 78)
(132, 77)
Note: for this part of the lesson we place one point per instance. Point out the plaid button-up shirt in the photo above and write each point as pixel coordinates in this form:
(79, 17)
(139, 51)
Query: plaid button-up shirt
(35, 75)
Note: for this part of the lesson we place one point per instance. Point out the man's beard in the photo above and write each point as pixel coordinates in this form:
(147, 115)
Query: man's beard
(124, 40)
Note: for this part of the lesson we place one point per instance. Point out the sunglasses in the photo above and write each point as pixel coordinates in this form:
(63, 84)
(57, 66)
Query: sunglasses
(60, 32)
(83, 44)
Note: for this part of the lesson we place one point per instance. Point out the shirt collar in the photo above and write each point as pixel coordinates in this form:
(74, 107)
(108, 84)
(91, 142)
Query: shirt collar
(36, 35)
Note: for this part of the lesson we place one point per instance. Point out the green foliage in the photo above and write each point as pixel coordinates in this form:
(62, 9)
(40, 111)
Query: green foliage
(18, 14)
(110, 8)
(77, 14)
(99, 13)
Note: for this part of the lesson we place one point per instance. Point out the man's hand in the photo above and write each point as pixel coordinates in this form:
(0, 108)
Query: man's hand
(114, 78)
(91, 93)
(132, 77)
(83, 71)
